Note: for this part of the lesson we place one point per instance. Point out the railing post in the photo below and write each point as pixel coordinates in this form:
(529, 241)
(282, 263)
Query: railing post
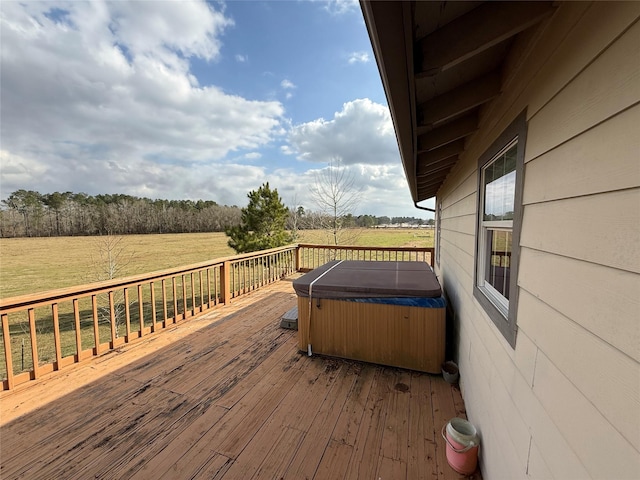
(225, 282)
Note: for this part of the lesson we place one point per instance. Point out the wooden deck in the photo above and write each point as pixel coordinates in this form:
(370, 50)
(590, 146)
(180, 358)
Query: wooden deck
(228, 396)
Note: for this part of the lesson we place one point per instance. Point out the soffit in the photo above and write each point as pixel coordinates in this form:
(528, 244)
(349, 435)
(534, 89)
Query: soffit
(440, 62)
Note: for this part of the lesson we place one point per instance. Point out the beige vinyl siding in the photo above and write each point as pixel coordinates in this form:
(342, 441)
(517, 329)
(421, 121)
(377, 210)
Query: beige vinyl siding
(578, 165)
(599, 228)
(565, 403)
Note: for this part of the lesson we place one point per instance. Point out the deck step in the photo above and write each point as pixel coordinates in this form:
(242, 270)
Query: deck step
(290, 319)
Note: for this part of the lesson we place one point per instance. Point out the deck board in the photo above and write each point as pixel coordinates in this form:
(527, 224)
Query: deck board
(227, 396)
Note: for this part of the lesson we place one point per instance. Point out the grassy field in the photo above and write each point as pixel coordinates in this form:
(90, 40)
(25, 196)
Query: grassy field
(30, 265)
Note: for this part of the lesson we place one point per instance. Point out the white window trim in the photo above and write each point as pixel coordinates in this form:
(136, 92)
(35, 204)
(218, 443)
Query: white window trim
(501, 311)
(498, 299)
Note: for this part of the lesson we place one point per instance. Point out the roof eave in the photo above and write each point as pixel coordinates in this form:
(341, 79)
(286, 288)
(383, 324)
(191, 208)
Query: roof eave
(390, 32)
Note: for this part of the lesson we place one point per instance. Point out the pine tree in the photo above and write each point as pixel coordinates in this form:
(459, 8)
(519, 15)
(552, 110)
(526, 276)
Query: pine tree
(263, 223)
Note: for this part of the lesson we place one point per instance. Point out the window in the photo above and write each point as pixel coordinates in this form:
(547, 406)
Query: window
(500, 179)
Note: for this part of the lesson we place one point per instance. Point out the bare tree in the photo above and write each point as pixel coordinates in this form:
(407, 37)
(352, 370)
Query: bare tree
(111, 261)
(296, 215)
(336, 195)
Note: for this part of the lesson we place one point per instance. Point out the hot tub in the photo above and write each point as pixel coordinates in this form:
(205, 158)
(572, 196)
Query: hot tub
(390, 313)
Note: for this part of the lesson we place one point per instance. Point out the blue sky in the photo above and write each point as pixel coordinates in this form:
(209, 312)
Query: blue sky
(177, 99)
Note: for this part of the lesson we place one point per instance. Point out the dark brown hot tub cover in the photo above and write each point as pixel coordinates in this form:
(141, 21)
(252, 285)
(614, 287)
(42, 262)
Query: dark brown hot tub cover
(363, 279)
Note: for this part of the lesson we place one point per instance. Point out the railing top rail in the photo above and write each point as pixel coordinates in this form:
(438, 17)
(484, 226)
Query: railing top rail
(357, 247)
(52, 296)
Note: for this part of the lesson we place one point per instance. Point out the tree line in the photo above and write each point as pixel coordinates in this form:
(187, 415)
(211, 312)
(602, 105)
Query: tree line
(28, 213)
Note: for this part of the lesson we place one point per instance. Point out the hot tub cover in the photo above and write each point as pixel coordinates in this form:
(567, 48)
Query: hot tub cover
(365, 279)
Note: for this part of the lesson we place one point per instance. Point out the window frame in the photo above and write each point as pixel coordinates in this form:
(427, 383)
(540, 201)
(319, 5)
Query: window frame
(503, 316)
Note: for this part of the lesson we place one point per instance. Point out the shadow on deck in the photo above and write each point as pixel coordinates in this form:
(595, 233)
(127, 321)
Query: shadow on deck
(228, 396)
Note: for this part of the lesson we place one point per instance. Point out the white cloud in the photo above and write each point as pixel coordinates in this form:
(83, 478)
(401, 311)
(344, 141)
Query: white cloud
(288, 85)
(361, 136)
(191, 28)
(253, 155)
(358, 57)
(361, 133)
(242, 58)
(341, 7)
(91, 90)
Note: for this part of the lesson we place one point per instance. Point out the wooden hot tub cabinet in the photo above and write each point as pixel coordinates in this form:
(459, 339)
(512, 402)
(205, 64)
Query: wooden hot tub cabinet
(390, 313)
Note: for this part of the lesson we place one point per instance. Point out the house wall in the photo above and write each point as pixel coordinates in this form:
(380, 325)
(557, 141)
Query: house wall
(565, 403)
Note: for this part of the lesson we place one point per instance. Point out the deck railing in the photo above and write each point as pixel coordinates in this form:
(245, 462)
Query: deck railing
(312, 256)
(47, 331)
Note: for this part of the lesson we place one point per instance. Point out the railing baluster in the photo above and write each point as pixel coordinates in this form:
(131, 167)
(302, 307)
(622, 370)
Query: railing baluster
(6, 339)
(76, 320)
(209, 288)
(34, 342)
(184, 297)
(112, 320)
(96, 327)
(153, 307)
(193, 294)
(141, 310)
(164, 303)
(175, 299)
(268, 265)
(127, 316)
(235, 279)
(201, 291)
(216, 277)
(225, 279)
(56, 336)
